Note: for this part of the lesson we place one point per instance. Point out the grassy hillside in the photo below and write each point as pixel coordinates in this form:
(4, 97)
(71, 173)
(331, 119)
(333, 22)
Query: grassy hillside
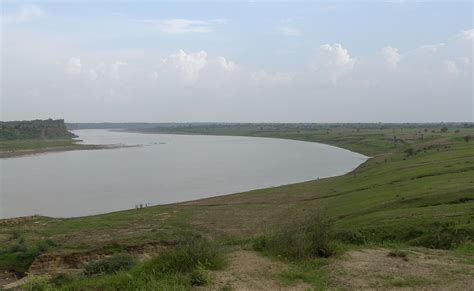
(416, 191)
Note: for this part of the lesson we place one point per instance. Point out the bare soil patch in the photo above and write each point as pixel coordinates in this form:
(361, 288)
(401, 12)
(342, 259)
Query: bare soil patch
(422, 269)
(248, 270)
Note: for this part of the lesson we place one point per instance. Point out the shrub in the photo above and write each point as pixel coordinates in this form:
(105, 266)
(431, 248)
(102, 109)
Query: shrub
(445, 237)
(37, 283)
(200, 276)
(260, 243)
(306, 237)
(16, 234)
(61, 279)
(186, 257)
(409, 152)
(19, 247)
(118, 262)
(350, 236)
(467, 138)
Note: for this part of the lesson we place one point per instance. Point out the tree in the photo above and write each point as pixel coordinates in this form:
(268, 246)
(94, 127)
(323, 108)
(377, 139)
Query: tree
(467, 138)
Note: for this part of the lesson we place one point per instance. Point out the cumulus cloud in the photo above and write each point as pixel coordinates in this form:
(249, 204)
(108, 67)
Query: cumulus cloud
(186, 64)
(468, 34)
(227, 65)
(25, 13)
(333, 61)
(391, 56)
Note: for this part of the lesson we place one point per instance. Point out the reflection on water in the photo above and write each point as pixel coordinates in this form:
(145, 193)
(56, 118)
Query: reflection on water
(165, 169)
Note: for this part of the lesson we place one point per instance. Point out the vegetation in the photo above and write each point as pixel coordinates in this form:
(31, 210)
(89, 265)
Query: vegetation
(29, 137)
(44, 129)
(302, 238)
(118, 262)
(420, 198)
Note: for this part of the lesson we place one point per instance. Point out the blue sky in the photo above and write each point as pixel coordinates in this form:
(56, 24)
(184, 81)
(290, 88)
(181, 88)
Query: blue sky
(207, 61)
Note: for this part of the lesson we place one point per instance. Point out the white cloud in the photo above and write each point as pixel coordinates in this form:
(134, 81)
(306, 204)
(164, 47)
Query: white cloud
(74, 66)
(391, 56)
(187, 64)
(228, 66)
(333, 61)
(25, 13)
(181, 25)
(468, 34)
(290, 31)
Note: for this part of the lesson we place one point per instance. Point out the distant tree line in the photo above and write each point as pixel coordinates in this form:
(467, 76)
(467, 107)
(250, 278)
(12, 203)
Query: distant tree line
(33, 129)
(267, 126)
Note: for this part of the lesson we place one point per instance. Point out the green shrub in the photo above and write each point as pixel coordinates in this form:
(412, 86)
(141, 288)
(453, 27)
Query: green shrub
(61, 279)
(305, 237)
(200, 275)
(118, 262)
(260, 243)
(186, 257)
(445, 237)
(350, 236)
(19, 247)
(37, 283)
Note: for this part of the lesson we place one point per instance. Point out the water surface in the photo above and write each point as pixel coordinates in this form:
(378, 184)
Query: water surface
(164, 169)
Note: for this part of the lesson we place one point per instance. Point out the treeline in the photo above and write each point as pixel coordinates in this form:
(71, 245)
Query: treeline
(33, 129)
(268, 126)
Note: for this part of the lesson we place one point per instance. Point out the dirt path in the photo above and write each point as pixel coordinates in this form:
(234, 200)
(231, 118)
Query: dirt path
(247, 270)
(422, 269)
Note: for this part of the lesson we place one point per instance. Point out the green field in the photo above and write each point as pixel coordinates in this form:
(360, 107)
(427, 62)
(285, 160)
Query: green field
(416, 192)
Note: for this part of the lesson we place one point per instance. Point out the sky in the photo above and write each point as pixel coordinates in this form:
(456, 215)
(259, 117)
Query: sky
(253, 61)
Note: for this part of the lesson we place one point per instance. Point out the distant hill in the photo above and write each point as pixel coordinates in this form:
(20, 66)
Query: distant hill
(34, 129)
(266, 126)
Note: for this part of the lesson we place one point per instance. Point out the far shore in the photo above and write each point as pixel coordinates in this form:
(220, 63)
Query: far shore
(72, 147)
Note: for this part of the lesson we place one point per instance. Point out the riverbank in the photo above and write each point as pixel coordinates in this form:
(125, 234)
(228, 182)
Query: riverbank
(18, 148)
(413, 199)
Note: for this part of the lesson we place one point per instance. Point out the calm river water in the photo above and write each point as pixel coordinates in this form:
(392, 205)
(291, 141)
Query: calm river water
(164, 169)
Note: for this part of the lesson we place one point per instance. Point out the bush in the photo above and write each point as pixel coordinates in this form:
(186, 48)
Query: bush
(409, 152)
(61, 279)
(445, 237)
(350, 236)
(118, 262)
(37, 283)
(260, 243)
(187, 257)
(306, 237)
(200, 276)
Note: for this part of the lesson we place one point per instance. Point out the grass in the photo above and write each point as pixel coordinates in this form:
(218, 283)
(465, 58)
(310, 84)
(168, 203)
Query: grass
(421, 199)
(178, 269)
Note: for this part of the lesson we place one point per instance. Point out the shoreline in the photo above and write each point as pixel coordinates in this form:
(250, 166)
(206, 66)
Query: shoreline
(74, 147)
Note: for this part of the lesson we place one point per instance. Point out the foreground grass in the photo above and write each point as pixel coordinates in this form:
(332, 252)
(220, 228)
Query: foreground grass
(417, 190)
